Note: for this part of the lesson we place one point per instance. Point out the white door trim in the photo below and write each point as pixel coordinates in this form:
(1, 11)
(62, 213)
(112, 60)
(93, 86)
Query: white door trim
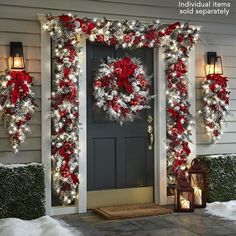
(83, 132)
(160, 180)
(160, 183)
(192, 99)
(45, 110)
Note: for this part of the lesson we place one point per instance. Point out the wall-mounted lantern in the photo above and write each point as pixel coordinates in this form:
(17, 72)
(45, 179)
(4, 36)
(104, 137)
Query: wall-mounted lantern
(16, 56)
(214, 64)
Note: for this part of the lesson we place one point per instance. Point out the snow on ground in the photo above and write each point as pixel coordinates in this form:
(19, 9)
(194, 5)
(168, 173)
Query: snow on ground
(223, 209)
(43, 226)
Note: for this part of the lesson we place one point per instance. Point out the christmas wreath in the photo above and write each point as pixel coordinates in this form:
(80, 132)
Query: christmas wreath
(216, 104)
(17, 105)
(122, 88)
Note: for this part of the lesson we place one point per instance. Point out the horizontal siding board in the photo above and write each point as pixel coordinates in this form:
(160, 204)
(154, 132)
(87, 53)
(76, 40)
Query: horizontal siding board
(203, 138)
(11, 25)
(229, 61)
(223, 50)
(36, 76)
(29, 144)
(32, 40)
(30, 53)
(38, 102)
(20, 157)
(37, 91)
(35, 132)
(219, 39)
(216, 148)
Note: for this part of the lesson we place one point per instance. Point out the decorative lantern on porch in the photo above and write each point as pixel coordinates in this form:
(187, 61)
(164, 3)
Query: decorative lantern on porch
(197, 176)
(184, 195)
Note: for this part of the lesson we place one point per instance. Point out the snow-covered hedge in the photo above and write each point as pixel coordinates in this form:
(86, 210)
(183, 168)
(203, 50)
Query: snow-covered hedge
(22, 191)
(221, 177)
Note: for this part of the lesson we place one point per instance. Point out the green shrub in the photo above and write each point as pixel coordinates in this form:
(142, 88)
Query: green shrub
(22, 191)
(221, 177)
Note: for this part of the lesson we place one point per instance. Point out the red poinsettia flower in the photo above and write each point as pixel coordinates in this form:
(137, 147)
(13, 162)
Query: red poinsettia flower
(174, 25)
(67, 21)
(113, 41)
(100, 38)
(98, 83)
(150, 35)
(137, 40)
(86, 27)
(74, 178)
(128, 37)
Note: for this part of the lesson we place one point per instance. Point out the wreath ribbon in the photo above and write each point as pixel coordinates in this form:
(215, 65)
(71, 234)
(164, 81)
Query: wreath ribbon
(18, 81)
(125, 69)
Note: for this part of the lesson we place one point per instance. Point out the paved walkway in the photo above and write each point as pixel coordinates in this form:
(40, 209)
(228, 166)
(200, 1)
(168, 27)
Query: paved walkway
(177, 224)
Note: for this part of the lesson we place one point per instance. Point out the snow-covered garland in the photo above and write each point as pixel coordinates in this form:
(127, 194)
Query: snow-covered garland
(121, 88)
(177, 39)
(65, 119)
(17, 104)
(216, 104)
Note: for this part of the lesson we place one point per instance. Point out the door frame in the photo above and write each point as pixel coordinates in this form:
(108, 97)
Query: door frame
(160, 168)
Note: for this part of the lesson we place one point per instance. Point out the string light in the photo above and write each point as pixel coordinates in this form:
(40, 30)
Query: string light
(176, 38)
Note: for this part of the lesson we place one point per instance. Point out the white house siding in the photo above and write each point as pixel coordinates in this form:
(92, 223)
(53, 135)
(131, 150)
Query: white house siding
(19, 22)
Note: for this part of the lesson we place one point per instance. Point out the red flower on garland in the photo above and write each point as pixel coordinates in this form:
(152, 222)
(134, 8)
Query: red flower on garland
(86, 27)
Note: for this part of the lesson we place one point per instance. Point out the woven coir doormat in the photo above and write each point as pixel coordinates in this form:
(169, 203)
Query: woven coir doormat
(131, 211)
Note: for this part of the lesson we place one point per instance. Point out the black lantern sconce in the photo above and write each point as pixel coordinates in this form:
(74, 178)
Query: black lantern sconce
(214, 64)
(16, 56)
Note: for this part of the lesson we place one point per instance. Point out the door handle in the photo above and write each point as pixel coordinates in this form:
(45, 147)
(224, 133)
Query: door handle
(150, 132)
(151, 139)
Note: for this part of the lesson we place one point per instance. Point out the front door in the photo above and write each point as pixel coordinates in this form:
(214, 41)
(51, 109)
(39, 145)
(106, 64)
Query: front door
(120, 163)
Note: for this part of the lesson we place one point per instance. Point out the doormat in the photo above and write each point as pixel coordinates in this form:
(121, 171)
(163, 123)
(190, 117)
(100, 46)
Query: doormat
(131, 211)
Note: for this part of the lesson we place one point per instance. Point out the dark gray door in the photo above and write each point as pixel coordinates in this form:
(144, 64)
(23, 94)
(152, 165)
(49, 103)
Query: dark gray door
(118, 156)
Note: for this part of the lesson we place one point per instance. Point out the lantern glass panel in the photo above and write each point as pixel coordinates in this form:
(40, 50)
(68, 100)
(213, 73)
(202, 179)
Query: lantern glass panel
(215, 66)
(16, 55)
(197, 183)
(197, 175)
(18, 62)
(185, 200)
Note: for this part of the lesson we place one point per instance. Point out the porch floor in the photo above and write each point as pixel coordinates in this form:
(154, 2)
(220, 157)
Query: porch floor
(177, 224)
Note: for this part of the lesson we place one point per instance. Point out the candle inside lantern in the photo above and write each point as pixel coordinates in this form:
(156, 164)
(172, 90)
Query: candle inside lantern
(184, 203)
(197, 195)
